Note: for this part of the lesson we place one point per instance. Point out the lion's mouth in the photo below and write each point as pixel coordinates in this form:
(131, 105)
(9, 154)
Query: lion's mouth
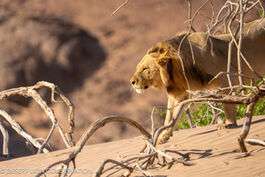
(140, 90)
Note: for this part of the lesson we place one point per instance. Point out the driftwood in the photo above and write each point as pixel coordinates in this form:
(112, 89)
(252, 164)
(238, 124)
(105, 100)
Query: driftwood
(31, 91)
(5, 138)
(255, 142)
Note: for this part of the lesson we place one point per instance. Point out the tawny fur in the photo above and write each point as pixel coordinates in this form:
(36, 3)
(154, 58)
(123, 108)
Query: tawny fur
(203, 58)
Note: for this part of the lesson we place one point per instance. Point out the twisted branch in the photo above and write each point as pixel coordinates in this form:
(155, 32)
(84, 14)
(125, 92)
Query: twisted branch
(31, 91)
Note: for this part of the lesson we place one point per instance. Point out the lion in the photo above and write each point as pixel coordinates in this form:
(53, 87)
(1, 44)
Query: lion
(203, 57)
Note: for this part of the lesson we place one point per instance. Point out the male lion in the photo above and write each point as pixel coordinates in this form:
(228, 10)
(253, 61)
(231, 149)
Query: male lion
(203, 58)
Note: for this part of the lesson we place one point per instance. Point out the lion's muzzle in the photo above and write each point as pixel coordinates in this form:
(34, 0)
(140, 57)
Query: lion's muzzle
(139, 88)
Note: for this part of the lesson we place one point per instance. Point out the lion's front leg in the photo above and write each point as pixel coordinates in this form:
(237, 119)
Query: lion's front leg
(166, 134)
(230, 116)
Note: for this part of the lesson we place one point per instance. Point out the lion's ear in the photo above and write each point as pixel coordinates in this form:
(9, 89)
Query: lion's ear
(154, 52)
(161, 61)
(165, 68)
(157, 51)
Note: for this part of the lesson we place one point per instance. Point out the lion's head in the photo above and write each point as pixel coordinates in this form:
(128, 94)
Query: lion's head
(147, 74)
(161, 68)
(155, 69)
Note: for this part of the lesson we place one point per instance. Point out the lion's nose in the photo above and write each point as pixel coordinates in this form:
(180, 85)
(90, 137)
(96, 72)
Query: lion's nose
(133, 82)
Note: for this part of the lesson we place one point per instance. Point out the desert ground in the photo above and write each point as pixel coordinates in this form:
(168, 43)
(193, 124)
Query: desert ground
(104, 50)
(212, 152)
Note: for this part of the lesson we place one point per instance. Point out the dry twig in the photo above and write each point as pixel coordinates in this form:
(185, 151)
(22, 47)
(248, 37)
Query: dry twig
(187, 111)
(123, 4)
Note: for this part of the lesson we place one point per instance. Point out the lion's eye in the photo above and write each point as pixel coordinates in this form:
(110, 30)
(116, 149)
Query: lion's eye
(144, 69)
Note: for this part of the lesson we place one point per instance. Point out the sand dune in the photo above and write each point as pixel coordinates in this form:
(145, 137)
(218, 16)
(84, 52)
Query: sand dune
(211, 150)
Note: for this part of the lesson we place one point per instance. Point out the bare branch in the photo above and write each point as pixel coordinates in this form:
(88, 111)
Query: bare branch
(31, 91)
(255, 142)
(187, 111)
(100, 169)
(100, 123)
(189, 15)
(246, 127)
(20, 131)
(170, 157)
(143, 171)
(228, 64)
(152, 121)
(5, 138)
(239, 67)
(228, 73)
(123, 4)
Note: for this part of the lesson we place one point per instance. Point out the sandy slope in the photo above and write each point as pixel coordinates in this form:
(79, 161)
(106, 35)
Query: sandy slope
(211, 150)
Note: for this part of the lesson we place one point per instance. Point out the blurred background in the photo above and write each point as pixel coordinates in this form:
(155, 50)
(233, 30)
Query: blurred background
(90, 55)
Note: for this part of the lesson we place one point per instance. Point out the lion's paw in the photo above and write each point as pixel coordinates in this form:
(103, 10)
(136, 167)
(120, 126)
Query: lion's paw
(228, 126)
(164, 136)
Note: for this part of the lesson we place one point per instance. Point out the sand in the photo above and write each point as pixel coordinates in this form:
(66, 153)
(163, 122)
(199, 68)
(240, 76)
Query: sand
(211, 150)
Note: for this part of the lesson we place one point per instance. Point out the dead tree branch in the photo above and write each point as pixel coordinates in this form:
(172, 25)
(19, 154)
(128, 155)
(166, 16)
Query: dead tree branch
(5, 138)
(187, 111)
(246, 126)
(99, 170)
(31, 91)
(255, 142)
(21, 132)
(123, 4)
(239, 65)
